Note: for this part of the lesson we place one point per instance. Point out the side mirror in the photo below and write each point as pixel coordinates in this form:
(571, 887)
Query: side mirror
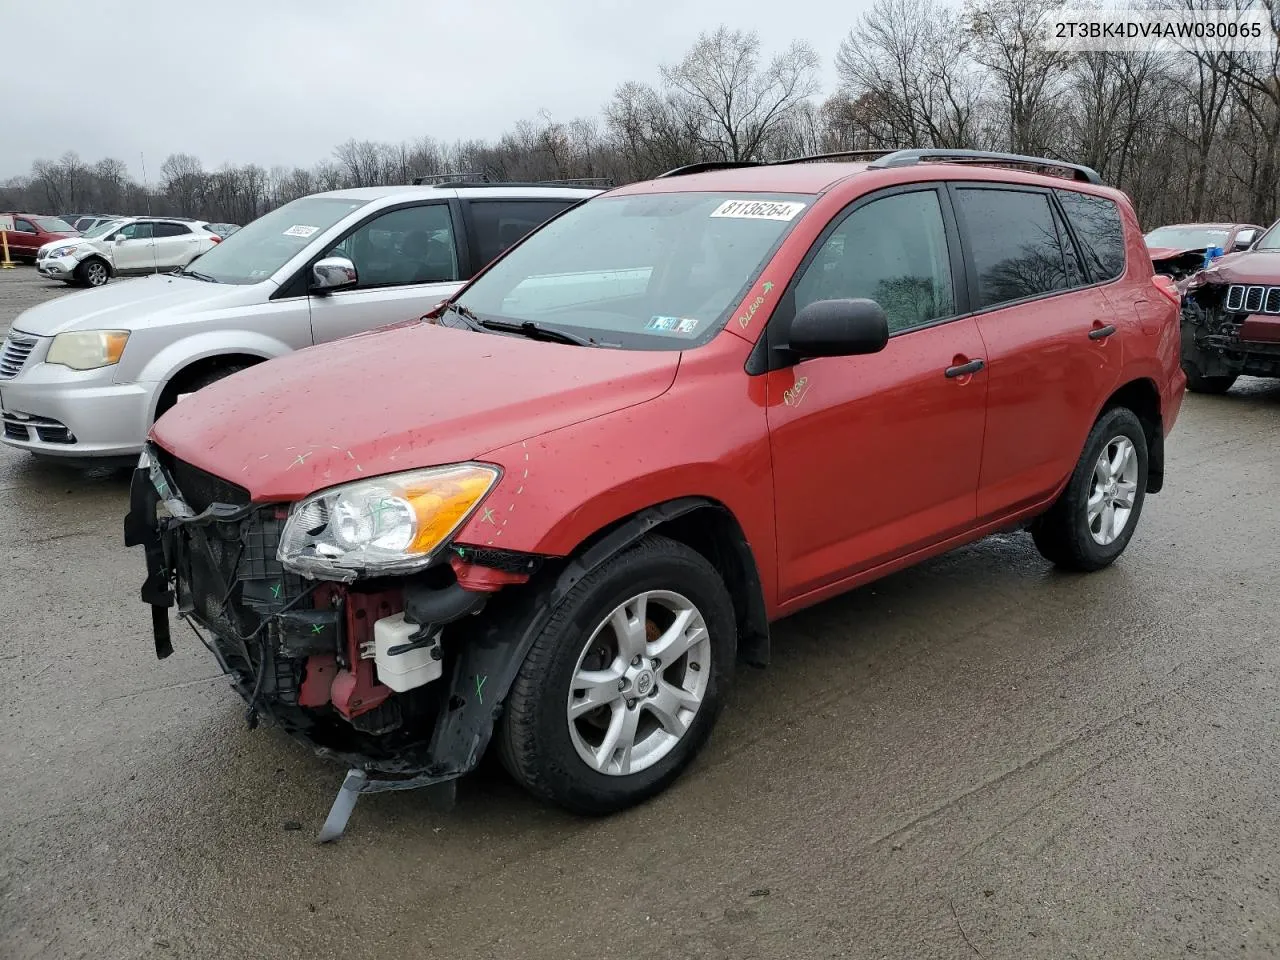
(839, 328)
(333, 273)
(119, 238)
(1244, 240)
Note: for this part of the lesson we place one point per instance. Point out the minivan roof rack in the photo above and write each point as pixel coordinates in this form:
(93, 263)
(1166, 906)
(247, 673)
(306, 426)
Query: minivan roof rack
(906, 158)
(483, 180)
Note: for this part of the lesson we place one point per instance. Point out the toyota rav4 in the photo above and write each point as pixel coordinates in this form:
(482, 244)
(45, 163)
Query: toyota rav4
(558, 509)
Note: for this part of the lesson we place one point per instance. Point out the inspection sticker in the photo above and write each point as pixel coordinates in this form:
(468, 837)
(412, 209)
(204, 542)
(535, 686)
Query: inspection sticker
(682, 326)
(300, 230)
(758, 209)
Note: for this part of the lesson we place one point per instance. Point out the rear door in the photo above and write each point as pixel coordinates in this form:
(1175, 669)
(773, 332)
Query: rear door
(877, 456)
(406, 260)
(495, 225)
(1050, 332)
(175, 244)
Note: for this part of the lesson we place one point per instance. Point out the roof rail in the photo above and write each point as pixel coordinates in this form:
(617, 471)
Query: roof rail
(435, 178)
(481, 180)
(906, 158)
(838, 155)
(702, 166)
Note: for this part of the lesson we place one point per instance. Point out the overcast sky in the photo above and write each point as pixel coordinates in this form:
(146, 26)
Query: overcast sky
(284, 81)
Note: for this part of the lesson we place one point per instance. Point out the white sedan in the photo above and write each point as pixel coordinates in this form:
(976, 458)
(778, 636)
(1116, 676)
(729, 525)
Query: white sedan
(131, 245)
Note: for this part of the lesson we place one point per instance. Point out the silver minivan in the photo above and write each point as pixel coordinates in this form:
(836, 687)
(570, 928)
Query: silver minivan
(85, 375)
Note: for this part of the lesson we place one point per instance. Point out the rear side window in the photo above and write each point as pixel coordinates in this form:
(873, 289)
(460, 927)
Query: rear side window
(1098, 228)
(1012, 243)
(170, 230)
(498, 224)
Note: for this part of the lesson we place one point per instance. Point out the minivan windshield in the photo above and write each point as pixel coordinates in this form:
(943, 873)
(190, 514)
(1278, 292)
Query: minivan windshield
(54, 225)
(259, 249)
(645, 271)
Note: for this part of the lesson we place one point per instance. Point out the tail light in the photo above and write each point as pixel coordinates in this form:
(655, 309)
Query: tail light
(1166, 286)
(215, 238)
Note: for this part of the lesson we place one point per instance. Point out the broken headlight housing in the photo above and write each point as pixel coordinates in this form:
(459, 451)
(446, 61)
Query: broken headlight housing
(383, 525)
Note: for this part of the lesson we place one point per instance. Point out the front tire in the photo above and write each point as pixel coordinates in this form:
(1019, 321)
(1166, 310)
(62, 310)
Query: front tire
(1093, 520)
(1198, 383)
(94, 272)
(623, 685)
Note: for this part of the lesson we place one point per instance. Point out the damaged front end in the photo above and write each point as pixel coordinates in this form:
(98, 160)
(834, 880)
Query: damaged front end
(1230, 327)
(391, 675)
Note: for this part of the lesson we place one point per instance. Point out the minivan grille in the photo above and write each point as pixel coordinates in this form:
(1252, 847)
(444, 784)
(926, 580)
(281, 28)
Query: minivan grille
(13, 356)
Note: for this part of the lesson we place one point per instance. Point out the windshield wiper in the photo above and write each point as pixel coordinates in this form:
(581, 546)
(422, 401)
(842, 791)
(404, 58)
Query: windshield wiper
(536, 331)
(197, 275)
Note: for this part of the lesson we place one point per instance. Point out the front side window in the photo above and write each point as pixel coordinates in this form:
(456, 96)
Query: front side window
(259, 249)
(1097, 225)
(136, 231)
(1013, 244)
(645, 271)
(500, 224)
(893, 251)
(409, 245)
(22, 226)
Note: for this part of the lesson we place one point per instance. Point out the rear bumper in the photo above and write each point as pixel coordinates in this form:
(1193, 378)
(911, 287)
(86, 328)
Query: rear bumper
(58, 412)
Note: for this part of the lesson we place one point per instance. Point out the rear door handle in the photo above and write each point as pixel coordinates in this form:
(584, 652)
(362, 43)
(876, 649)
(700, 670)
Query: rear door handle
(1101, 333)
(964, 369)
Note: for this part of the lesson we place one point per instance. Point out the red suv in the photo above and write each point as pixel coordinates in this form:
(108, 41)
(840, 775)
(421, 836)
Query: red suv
(559, 510)
(31, 232)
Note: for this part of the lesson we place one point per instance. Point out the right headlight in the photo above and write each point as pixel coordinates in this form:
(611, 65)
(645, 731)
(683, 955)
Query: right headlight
(383, 525)
(62, 251)
(88, 349)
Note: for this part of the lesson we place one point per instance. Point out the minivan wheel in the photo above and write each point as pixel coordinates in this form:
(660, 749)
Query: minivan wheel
(93, 272)
(621, 688)
(1093, 520)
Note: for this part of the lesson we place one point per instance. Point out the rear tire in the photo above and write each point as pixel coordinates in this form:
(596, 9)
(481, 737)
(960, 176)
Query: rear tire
(1095, 517)
(596, 721)
(1198, 383)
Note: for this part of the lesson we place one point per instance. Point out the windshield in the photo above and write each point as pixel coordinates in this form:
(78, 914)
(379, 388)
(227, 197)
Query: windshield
(53, 225)
(100, 229)
(259, 249)
(1190, 238)
(649, 271)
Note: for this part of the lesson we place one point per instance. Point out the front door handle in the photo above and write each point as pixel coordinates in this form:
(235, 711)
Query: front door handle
(1101, 333)
(964, 369)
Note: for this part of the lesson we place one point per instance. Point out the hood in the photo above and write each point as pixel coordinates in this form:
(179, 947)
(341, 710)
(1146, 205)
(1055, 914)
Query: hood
(394, 400)
(1247, 266)
(130, 304)
(1164, 253)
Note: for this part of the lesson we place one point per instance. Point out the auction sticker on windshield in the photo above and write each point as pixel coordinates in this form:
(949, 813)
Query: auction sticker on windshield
(300, 230)
(684, 326)
(758, 209)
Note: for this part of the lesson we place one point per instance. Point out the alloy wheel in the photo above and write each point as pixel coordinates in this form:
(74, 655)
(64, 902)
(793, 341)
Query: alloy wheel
(639, 682)
(1113, 490)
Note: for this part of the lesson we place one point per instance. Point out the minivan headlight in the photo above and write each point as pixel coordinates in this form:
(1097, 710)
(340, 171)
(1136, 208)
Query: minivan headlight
(383, 525)
(87, 350)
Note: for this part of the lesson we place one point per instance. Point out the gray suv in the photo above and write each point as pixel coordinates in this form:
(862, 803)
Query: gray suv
(85, 375)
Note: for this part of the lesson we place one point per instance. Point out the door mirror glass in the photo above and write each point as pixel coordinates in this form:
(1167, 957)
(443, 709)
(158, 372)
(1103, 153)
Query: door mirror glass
(333, 273)
(839, 328)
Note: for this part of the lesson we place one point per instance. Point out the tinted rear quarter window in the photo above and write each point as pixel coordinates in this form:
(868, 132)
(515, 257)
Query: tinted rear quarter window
(170, 230)
(1012, 243)
(1100, 231)
(498, 224)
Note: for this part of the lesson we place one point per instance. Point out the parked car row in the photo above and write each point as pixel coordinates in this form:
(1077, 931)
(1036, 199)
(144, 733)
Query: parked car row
(130, 245)
(554, 515)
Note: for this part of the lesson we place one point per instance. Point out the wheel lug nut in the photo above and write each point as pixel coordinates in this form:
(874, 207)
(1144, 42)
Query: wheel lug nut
(622, 684)
(656, 663)
(631, 703)
(636, 661)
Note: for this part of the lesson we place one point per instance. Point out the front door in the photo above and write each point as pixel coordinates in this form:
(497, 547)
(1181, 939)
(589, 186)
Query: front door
(406, 262)
(877, 456)
(132, 250)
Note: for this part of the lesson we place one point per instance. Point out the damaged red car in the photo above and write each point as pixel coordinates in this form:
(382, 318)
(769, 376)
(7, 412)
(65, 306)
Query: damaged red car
(1231, 318)
(1179, 249)
(554, 514)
